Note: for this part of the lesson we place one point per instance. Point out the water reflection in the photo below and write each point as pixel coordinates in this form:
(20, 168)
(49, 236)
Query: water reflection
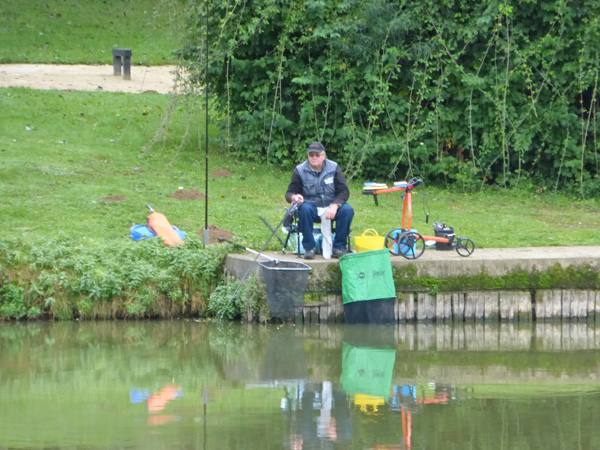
(156, 402)
(190, 385)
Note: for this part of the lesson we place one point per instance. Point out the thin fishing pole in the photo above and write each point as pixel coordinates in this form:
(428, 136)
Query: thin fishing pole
(425, 205)
(206, 136)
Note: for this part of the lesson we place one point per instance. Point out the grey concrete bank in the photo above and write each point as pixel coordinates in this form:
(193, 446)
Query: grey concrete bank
(462, 304)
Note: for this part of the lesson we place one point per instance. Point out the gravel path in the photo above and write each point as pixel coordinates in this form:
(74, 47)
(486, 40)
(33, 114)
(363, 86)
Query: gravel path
(160, 79)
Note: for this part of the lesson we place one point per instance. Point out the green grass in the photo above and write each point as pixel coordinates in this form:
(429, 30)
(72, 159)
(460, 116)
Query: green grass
(66, 157)
(86, 31)
(63, 153)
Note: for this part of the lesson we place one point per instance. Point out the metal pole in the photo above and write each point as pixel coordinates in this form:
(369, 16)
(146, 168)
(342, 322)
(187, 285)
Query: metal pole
(206, 236)
(205, 402)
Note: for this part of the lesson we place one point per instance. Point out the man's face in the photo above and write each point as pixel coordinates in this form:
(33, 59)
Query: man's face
(315, 159)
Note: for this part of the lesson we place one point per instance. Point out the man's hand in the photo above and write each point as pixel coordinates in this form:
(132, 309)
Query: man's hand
(331, 211)
(297, 198)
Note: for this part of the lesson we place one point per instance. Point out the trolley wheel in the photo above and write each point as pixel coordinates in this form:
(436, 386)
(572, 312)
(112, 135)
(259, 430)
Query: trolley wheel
(464, 247)
(411, 244)
(391, 241)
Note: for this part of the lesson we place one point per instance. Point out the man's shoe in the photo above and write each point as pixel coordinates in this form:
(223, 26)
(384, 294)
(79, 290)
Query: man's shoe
(309, 254)
(339, 252)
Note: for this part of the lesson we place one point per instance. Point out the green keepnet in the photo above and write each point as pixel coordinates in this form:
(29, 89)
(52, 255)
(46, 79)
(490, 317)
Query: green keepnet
(367, 276)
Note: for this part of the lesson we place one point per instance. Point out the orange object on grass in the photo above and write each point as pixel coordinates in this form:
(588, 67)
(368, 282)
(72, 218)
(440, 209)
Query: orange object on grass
(161, 226)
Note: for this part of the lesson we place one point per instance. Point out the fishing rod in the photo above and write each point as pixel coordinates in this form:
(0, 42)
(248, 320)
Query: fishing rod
(235, 244)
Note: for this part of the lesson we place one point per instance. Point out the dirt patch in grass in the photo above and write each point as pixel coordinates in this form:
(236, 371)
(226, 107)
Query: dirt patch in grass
(220, 173)
(182, 194)
(214, 233)
(113, 198)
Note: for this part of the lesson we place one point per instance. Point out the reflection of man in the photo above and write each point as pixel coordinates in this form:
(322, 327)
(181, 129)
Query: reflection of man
(326, 423)
(307, 423)
(320, 188)
(333, 423)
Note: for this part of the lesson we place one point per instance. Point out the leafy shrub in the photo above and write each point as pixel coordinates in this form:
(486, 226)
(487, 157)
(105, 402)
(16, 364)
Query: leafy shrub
(233, 299)
(12, 301)
(140, 303)
(394, 88)
(127, 281)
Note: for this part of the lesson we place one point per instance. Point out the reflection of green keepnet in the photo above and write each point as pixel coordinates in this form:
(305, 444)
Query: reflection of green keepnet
(367, 276)
(367, 370)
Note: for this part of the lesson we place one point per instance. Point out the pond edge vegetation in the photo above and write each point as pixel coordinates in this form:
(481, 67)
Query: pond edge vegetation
(60, 280)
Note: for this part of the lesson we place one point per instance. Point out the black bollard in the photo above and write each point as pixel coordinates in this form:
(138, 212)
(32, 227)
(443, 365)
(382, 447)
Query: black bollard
(122, 57)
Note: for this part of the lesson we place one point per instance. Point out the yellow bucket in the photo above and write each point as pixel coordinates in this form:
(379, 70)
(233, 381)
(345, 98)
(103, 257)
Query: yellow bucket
(369, 240)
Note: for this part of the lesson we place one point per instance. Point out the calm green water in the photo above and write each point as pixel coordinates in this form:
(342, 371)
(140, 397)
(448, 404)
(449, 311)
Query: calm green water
(184, 385)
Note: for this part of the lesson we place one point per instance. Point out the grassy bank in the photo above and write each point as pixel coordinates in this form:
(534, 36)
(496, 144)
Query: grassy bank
(85, 32)
(79, 164)
(77, 170)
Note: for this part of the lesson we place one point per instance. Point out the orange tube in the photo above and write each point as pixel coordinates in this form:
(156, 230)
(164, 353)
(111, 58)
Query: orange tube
(161, 226)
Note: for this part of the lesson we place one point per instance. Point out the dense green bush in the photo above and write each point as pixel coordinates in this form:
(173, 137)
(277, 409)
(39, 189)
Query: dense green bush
(12, 301)
(457, 92)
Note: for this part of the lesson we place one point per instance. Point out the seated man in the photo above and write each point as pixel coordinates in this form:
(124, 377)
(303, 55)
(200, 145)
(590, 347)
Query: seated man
(319, 186)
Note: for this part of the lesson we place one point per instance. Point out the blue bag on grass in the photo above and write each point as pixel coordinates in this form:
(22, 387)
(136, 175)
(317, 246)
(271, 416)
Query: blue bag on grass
(139, 232)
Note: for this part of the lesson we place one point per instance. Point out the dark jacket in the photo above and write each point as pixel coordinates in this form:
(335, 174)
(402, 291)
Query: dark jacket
(323, 188)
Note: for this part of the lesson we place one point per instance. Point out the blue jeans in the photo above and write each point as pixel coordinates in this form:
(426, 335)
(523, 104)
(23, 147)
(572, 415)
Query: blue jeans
(307, 216)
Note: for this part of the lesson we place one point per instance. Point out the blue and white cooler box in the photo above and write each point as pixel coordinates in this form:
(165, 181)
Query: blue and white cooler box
(293, 241)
